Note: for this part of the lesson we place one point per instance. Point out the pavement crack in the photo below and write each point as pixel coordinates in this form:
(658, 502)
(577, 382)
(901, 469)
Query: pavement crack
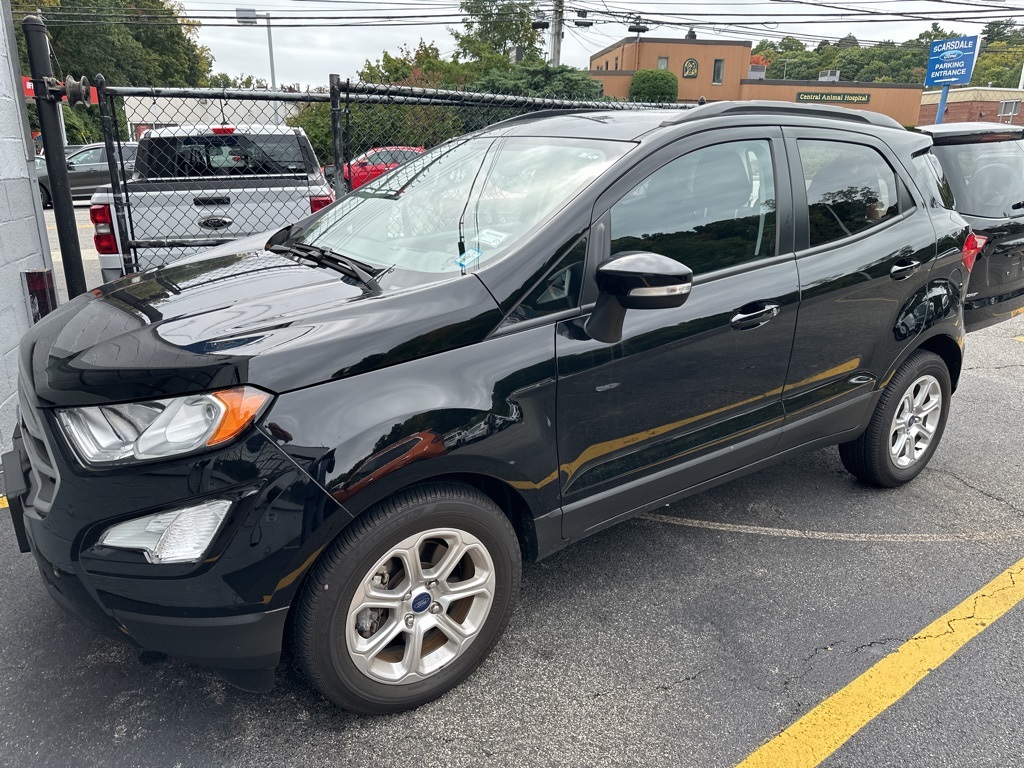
(973, 487)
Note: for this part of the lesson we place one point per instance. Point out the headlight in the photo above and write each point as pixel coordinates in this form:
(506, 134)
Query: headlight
(156, 429)
(179, 536)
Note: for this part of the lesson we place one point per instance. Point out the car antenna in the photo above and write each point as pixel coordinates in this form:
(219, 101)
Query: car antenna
(462, 218)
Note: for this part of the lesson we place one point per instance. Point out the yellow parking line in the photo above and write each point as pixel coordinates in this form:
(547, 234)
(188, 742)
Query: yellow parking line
(824, 729)
(3, 502)
(1019, 338)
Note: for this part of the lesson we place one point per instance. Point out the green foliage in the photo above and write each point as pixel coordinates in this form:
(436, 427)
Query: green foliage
(422, 66)
(655, 86)
(999, 65)
(494, 29)
(165, 54)
(538, 78)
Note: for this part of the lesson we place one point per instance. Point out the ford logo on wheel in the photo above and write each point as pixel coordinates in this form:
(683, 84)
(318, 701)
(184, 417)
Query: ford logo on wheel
(951, 55)
(215, 222)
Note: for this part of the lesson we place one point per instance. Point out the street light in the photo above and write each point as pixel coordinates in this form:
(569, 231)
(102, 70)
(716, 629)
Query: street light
(248, 16)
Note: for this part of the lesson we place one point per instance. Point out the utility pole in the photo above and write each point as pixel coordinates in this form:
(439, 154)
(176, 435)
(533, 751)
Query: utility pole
(557, 25)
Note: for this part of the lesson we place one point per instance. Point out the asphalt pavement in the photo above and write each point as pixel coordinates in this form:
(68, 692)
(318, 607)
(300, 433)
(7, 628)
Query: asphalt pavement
(686, 638)
(90, 259)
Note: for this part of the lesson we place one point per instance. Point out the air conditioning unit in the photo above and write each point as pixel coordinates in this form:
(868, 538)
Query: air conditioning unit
(758, 71)
(829, 75)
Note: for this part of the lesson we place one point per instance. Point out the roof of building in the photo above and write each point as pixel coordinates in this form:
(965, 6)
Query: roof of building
(974, 93)
(669, 41)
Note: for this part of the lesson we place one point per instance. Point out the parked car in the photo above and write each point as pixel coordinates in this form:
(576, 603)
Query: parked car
(194, 187)
(87, 171)
(376, 161)
(983, 164)
(354, 429)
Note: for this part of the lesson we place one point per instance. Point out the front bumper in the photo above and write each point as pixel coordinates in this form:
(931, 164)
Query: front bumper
(224, 612)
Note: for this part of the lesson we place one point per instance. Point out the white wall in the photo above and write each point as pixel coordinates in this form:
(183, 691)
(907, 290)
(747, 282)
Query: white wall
(22, 229)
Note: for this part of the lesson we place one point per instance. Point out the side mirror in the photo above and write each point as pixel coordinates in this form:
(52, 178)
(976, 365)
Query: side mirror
(71, 166)
(635, 280)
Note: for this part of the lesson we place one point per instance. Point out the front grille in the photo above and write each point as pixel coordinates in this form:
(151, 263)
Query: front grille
(43, 476)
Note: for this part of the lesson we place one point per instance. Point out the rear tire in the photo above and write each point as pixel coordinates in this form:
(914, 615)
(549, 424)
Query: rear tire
(44, 197)
(906, 427)
(408, 601)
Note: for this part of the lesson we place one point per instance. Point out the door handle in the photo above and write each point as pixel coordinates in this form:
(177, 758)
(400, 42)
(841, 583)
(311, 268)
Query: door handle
(745, 321)
(903, 269)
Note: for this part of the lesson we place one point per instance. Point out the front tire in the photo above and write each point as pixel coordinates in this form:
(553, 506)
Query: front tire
(44, 197)
(409, 600)
(907, 424)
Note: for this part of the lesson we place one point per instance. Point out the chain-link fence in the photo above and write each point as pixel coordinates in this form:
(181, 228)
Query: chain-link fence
(215, 165)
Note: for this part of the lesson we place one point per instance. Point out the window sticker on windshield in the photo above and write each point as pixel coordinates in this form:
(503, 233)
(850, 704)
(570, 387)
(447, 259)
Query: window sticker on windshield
(492, 238)
(470, 257)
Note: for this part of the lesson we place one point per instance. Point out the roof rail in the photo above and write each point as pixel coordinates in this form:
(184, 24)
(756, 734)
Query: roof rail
(547, 113)
(720, 108)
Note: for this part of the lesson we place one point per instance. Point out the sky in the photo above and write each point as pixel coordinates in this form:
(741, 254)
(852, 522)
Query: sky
(309, 53)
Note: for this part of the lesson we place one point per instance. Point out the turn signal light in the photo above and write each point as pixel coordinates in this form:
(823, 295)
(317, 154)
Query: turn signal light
(973, 246)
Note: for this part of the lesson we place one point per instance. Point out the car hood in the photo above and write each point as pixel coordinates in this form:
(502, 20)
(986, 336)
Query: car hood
(248, 317)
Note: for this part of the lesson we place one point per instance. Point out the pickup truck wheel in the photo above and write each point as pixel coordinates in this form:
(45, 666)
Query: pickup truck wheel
(906, 426)
(409, 600)
(44, 197)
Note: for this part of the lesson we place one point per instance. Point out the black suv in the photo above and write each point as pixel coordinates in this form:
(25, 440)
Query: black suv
(984, 166)
(350, 433)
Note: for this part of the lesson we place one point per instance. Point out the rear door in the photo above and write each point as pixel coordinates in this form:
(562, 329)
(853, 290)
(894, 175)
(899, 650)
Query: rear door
(865, 247)
(694, 392)
(197, 191)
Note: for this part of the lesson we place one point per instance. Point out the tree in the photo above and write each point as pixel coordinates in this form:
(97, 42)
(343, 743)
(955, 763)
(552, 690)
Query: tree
(163, 51)
(495, 29)
(1002, 31)
(848, 41)
(658, 86)
(422, 66)
(538, 78)
(760, 60)
(790, 45)
(999, 65)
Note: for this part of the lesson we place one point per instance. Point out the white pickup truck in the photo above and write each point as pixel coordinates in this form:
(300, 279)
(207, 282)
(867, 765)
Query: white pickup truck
(194, 187)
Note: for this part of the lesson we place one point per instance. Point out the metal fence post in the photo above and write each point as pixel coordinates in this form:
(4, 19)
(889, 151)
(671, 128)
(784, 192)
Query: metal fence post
(346, 148)
(109, 129)
(337, 137)
(48, 93)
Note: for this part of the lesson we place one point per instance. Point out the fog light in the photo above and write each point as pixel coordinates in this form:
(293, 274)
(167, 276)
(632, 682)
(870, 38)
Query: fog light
(178, 536)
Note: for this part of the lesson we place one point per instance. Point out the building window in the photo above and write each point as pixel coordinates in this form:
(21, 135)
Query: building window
(1009, 108)
(663, 62)
(616, 62)
(606, 64)
(718, 75)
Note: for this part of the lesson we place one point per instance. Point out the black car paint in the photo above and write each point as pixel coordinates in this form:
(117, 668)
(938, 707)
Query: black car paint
(683, 402)
(995, 289)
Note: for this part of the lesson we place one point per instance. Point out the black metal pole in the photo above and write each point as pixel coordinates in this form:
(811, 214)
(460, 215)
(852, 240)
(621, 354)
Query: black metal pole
(48, 93)
(109, 128)
(337, 140)
(346, 148)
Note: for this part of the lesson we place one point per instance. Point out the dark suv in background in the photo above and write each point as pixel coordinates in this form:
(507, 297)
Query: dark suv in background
(349, 433)
(87, 171)
(984, 166)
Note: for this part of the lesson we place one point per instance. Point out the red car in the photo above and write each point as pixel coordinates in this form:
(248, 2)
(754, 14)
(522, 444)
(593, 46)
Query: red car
(376, 161)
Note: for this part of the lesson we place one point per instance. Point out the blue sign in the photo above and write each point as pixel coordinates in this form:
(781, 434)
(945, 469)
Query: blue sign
(951, 62)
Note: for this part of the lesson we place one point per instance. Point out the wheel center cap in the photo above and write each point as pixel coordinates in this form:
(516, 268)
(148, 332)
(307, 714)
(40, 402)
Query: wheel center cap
(421, 602)
(912, 421)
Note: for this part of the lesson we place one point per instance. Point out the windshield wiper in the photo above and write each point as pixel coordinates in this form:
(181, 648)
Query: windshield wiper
(325, 257)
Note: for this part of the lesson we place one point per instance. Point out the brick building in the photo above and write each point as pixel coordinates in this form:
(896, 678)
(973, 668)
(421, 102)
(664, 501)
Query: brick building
(972, 104)
(719, 70)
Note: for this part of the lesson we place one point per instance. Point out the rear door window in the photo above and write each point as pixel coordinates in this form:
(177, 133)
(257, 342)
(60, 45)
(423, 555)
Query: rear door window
(236, 154)
(850, 188)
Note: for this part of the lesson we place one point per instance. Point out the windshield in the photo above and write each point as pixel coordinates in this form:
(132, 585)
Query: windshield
(486, 193)
(987, 178)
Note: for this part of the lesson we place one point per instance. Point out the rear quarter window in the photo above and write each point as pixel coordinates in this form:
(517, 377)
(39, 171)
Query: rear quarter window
(936, 189)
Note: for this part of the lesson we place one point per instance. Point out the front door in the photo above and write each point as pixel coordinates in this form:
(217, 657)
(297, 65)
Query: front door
(87, 170)
(693, 392)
